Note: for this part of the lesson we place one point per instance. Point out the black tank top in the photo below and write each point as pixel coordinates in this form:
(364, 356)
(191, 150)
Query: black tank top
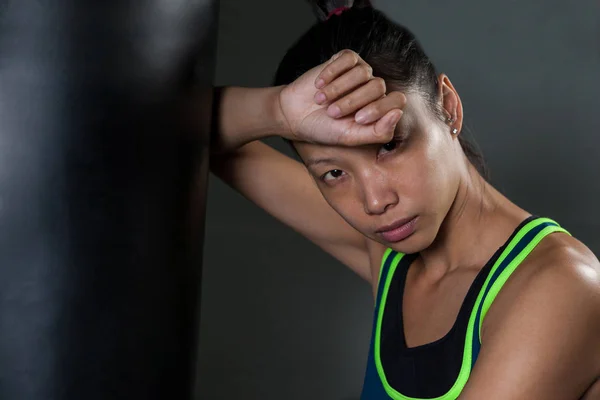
(438, 370)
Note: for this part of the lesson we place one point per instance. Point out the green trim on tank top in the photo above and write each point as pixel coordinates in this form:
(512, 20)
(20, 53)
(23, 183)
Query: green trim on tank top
(465, 369)
(510, 268)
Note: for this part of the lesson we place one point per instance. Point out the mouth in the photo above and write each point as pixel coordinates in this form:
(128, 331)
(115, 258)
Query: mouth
(397, 231)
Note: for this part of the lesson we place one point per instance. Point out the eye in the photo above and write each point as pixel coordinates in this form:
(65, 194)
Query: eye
(391, 146)
(332, 175)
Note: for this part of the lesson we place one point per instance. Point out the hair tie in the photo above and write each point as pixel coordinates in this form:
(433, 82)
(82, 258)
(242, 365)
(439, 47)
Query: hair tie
(338, 11)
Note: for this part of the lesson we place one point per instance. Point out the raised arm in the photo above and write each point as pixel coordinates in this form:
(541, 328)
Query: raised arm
(245, 115)
(355, 109)
(281, 185)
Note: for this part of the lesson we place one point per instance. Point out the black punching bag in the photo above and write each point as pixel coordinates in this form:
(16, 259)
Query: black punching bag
(102, 196)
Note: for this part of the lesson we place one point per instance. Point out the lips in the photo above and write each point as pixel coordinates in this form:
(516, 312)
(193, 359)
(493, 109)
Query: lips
(398, 230)
(394, 225)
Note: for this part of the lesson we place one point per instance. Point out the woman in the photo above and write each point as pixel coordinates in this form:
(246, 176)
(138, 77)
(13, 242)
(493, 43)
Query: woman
(475, 297)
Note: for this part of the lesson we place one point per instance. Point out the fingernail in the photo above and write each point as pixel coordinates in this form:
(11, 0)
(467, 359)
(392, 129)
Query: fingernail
(361, 117)
(334, 111)
(390, 120)
(394, 118)
(320, 97)
(320, 83)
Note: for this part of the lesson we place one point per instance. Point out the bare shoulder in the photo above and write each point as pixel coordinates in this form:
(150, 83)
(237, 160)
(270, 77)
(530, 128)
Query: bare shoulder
(559, 270)
(563, 260)
(566, 273)
(560, 277)
(541, 336)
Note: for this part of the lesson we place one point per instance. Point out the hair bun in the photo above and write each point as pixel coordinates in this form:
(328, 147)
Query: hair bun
(324, 8)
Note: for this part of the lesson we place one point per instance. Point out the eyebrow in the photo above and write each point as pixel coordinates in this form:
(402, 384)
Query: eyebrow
(317, 161)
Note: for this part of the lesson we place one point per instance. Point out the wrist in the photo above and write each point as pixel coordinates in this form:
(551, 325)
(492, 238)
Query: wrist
(249, 114)
(281, 125)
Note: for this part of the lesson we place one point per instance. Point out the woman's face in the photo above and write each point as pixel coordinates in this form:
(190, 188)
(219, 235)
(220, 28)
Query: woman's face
(397, 194)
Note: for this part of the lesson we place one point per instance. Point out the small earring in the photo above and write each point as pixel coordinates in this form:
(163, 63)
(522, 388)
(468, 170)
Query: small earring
(454, 131)
(449, 120)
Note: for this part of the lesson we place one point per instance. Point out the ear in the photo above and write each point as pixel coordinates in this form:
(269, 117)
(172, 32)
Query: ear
(451, 104)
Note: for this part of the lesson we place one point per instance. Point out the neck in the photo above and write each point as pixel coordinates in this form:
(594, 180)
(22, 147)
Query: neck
(465, 239)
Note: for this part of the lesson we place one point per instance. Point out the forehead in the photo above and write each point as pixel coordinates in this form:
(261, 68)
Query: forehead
(414, 112)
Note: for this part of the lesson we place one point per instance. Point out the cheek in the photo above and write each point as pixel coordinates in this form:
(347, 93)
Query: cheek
(437, 164)
(346, 204)
(441, 169)
(426, 173)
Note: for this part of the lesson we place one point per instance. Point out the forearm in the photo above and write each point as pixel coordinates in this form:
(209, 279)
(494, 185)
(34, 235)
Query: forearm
(245, 115)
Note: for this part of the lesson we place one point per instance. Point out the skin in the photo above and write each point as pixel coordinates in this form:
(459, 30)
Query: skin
(540, 338)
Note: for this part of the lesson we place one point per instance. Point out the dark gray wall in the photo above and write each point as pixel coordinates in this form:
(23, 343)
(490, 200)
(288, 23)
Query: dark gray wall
(281, 319)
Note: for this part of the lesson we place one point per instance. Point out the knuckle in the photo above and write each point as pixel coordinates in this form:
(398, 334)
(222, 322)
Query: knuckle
(346, 103)
(327, 73)
(379, 83)
(375, 109)
(332, 90)
(351, 56)
(365, 72)
(339, 55)
(399, 97)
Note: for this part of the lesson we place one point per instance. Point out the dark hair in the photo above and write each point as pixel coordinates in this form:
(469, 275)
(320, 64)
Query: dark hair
(390, 49)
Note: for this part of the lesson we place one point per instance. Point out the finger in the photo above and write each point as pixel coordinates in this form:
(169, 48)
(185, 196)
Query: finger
(377, 109)
(355, 100)
(339, 64)
(346, 83)
(380, 132)
(385, 127)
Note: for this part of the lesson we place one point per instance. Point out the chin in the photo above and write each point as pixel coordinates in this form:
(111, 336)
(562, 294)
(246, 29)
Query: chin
(415, 243)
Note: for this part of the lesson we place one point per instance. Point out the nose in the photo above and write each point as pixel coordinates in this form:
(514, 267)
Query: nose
(379, 195)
